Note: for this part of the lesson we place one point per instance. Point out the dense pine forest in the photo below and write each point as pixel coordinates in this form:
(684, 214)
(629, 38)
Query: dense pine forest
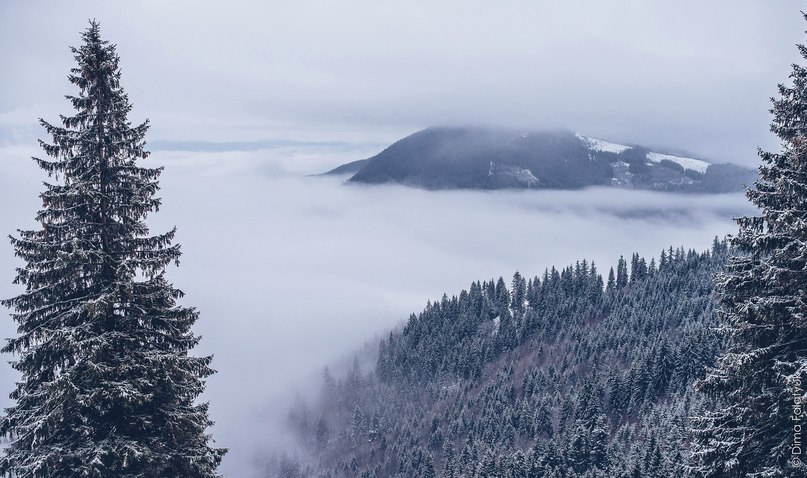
(564, 375)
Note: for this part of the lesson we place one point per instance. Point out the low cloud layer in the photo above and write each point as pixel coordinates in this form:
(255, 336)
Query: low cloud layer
(291, 272)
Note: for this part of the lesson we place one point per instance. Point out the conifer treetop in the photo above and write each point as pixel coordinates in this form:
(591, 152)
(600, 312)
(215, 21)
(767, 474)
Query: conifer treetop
(763, 314)
(108, 386)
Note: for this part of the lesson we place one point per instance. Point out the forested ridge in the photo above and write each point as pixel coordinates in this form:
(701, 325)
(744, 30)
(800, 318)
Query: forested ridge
(565, 375)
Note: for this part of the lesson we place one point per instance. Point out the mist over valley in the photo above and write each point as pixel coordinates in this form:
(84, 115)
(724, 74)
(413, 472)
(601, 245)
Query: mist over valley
(309, 269)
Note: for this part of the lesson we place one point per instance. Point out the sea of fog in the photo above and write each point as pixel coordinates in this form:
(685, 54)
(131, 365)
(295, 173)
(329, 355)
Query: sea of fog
(291, 272)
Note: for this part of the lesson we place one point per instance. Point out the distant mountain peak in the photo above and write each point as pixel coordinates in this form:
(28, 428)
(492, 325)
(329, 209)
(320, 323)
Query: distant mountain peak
(492, 158)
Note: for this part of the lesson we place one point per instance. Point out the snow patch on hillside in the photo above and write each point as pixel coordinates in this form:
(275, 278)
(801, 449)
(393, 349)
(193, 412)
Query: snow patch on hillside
(687, 163)
(595, 144)
(522, 175)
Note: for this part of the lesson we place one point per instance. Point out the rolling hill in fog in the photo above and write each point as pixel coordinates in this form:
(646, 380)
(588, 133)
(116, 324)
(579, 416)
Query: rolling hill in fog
(489, 158)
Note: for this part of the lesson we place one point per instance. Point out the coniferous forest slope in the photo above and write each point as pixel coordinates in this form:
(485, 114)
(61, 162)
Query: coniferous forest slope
(495, 158)
(565, 375)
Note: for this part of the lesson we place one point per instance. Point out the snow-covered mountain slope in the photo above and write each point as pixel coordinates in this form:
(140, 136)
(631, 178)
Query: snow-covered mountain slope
(603, 146)
(692, 164)
(600, 145)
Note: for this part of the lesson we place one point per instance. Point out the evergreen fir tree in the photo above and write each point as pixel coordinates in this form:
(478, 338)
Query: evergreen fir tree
(358, 424)
(662, 263)
(634, 267)
(107, 387)
(611, 284)
(621, 273)
(322, 432)
(759, 382)
(518, 291)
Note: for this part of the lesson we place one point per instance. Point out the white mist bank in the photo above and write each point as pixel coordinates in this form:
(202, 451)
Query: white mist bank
(290, 272)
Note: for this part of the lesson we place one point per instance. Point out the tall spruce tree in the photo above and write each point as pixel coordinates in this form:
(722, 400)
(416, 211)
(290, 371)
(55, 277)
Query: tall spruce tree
(759, 383)
(108, 387)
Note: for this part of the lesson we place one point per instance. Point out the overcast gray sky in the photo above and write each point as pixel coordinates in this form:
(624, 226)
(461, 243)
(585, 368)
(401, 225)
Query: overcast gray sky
(688, 74)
